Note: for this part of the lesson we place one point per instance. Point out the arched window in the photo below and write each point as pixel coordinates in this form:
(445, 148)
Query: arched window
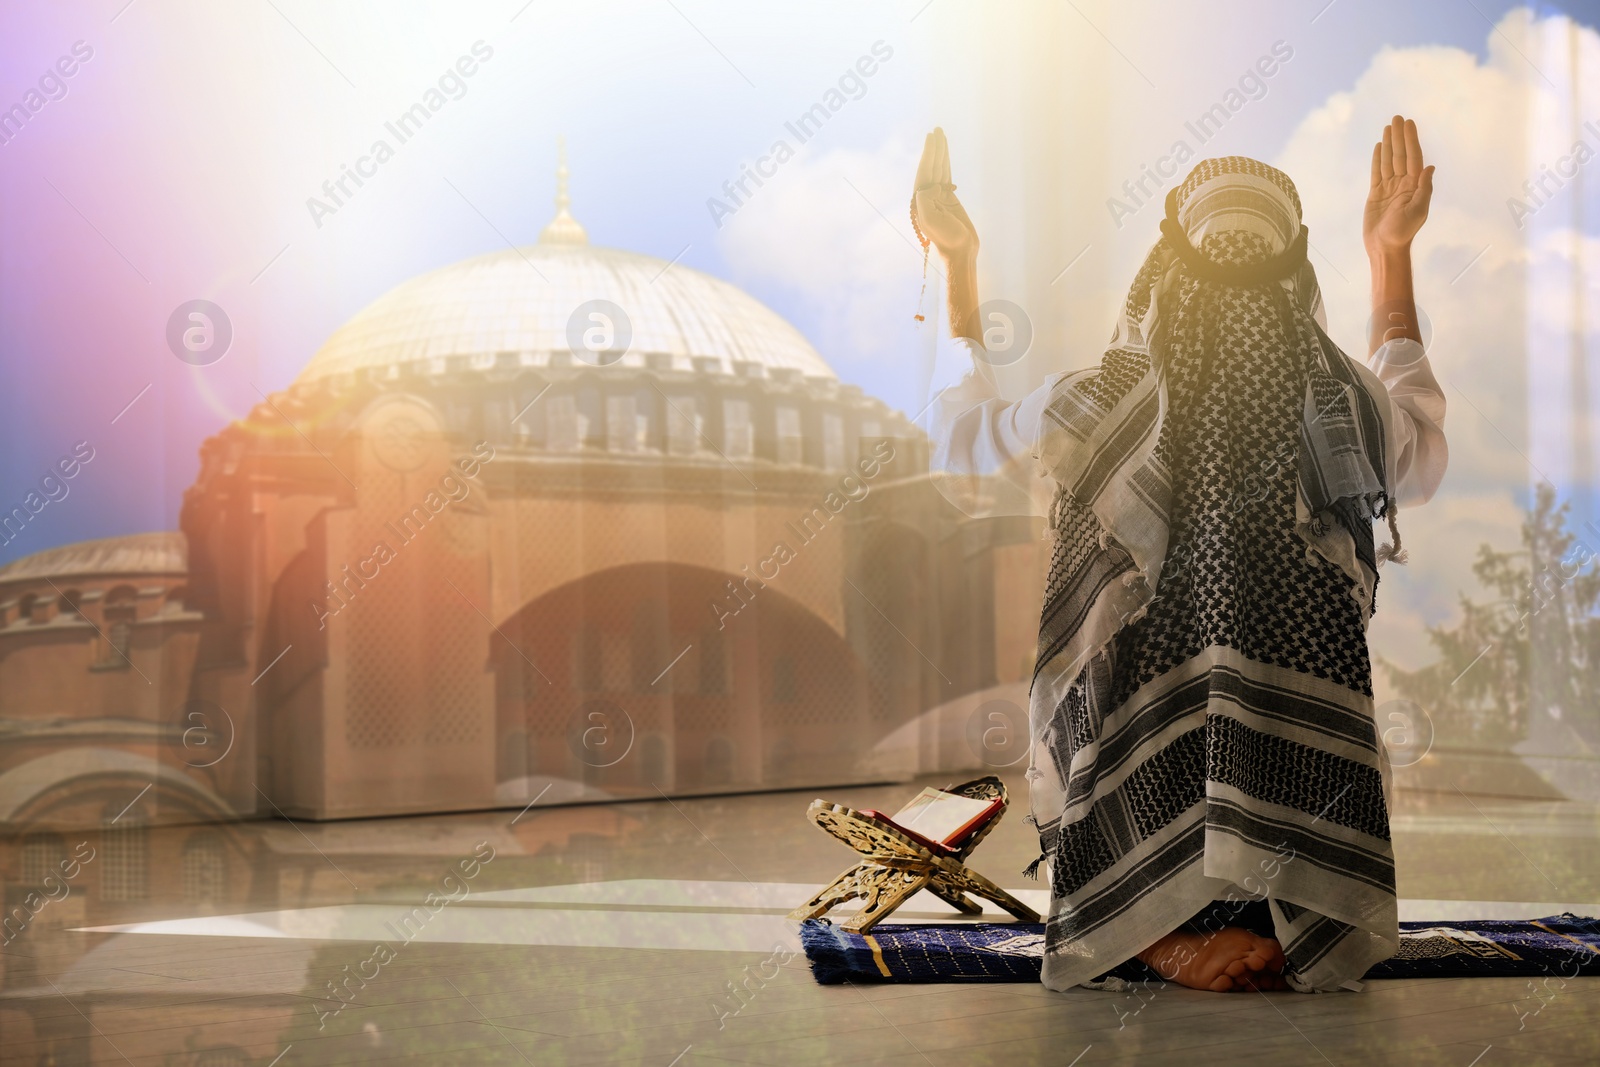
(565, 428)
(833, 441)
(70, 601)
(42, 853)
(791, 442)
(205, 869)
(738, 434)
(120, 612)
(126, 871)
(25, 607)
(121, 635)
(685, 424)
(626, 429)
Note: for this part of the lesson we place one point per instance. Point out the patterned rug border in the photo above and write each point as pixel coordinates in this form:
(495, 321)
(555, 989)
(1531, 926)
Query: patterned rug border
(1564, 946)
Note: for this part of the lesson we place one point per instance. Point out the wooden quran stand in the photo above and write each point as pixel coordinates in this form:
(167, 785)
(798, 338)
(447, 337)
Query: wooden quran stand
(896, 864)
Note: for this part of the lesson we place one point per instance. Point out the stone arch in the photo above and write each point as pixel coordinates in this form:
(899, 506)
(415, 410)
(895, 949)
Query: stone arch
(771, 671)
(72, 787)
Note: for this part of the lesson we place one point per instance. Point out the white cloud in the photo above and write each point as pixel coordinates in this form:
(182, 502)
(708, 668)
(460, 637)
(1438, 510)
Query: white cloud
(1508, 328)
(1513, 308)
(811, 230)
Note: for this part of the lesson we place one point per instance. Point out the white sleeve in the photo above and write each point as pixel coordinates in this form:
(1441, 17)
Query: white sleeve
(1417, 404)
(980, 437)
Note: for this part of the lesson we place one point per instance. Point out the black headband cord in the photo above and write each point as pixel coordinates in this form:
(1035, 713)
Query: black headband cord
(1243, 275)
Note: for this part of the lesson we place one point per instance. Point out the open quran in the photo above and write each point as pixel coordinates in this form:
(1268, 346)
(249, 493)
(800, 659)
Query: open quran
(924, 845)
(942, 819)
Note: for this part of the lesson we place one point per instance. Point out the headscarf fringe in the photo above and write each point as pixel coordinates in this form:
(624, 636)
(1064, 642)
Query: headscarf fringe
(1393, 552)
(1057, 504)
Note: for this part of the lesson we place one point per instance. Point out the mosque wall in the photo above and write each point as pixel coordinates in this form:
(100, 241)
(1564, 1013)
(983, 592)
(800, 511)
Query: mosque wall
(1020, 571)
(450, 570)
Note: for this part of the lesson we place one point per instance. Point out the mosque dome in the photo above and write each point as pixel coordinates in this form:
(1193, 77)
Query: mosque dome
(164, 552)
(562, 352)
(516, 308)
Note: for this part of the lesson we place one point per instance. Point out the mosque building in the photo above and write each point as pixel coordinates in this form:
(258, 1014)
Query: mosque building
(558, 522)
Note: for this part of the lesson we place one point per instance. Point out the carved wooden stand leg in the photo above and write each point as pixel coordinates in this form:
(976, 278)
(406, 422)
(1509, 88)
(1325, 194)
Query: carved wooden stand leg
(943, 887)
(884, 889)
(897, 867)
(970, 881)
(841, 889)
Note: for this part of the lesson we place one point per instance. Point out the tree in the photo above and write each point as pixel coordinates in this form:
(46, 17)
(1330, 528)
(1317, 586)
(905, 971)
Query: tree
(1532, 648)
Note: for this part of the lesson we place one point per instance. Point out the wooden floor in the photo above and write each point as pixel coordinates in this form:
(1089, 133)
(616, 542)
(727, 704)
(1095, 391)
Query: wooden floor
(572, 946)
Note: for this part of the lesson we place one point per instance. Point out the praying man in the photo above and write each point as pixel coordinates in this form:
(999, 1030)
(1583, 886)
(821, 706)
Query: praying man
(1206, 775)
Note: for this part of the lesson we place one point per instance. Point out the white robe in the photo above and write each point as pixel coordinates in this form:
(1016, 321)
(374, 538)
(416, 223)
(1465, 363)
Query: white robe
(976, 431)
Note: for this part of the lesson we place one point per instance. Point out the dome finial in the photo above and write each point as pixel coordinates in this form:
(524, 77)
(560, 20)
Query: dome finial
(562, 199)
(563, 229)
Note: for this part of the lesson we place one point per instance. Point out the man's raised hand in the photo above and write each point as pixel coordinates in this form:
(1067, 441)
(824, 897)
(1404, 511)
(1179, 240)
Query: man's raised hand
(1397, 200)
(940, 215)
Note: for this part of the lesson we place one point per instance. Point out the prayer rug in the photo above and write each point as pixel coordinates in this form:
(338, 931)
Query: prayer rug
(1561, 946)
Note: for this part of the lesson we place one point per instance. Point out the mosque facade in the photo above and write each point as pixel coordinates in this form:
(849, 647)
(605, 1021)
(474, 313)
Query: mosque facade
(553, 524)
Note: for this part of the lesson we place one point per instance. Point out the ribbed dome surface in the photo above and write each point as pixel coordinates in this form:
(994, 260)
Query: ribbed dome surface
(516, 305)
(164, 552)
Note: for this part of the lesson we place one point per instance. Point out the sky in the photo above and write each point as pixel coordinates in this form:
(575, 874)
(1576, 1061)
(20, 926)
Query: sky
(179, 159)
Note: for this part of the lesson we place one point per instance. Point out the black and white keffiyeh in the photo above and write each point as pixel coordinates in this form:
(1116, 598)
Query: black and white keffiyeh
(1202, 707)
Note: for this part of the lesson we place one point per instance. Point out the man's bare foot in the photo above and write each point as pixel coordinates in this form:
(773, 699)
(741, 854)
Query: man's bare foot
(1229, 960)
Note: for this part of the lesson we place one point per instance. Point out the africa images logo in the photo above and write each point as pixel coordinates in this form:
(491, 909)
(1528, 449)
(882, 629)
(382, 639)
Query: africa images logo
(199, 332)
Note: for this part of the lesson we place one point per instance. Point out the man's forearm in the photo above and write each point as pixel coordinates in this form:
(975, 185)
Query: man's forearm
(1394, 307)
(962, 297)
